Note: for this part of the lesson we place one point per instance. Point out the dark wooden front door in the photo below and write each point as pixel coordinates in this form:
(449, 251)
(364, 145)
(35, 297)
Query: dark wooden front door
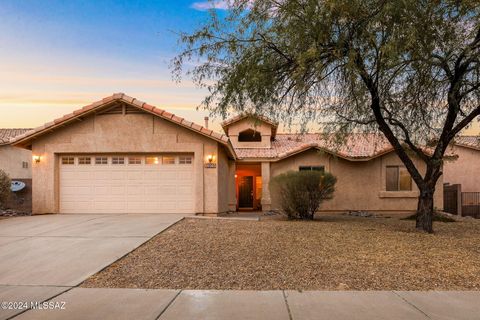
(245, 192)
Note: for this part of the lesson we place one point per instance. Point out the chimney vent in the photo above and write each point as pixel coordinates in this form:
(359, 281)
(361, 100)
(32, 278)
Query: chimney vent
(206, 122)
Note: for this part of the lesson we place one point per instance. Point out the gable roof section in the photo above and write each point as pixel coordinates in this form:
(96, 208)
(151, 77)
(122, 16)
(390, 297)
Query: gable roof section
(356, 147)
(472, 142)
(8, 134)
(25, 138)
(225, 124)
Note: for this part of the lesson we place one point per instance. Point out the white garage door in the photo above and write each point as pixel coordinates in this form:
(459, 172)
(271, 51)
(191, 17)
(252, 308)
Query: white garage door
(126, 184)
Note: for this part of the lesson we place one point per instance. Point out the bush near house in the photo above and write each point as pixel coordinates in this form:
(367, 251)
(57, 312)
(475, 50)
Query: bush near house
(4, 188)
(300, 193)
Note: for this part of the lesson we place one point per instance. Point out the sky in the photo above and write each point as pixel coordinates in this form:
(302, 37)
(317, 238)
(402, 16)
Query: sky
(57, 56)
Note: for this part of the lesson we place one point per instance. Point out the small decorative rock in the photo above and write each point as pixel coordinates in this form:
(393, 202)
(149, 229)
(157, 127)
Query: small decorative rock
(13, 213)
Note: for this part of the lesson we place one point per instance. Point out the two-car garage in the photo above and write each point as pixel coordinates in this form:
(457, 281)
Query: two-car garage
(128, 183)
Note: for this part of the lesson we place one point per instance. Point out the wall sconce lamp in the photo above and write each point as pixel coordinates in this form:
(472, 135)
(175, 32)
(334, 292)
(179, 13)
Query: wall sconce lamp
(37, 159)
(211, 158)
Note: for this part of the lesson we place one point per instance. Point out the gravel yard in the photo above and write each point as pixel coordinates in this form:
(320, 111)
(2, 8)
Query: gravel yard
(333, 253)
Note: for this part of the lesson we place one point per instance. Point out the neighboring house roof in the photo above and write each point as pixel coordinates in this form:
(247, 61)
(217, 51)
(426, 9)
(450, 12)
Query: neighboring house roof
(360, 146)
(24, 138)
(225, 124)
(8, 134)
(472, 142)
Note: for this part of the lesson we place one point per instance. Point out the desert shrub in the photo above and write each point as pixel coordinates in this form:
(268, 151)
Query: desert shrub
(300, 193)
(4, 188)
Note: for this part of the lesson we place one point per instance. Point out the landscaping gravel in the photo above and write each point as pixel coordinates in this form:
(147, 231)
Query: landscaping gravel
(334, 253)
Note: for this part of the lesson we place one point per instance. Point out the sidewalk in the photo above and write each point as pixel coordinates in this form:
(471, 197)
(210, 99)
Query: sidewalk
(86, 303)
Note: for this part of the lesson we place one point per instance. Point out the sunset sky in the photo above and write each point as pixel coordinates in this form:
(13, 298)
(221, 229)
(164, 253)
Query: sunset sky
(56, 56)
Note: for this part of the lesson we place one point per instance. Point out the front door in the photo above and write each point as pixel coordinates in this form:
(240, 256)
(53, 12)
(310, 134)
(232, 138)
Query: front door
(245, 192)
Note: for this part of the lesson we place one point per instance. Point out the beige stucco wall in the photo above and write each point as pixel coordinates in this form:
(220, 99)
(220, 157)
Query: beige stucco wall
(249, 123)
(224, 180)
(11, 159)
(130, 133)
(361, 184)
(465, 170)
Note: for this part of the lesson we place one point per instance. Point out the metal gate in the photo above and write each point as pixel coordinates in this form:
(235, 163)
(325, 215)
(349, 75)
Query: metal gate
(471, 204)
(450, 198)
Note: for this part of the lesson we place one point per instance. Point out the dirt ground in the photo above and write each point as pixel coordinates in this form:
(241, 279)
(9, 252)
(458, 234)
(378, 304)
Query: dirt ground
(333, 253)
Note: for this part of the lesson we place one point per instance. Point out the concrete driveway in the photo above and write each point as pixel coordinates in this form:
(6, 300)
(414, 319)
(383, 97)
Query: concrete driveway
(43, 256)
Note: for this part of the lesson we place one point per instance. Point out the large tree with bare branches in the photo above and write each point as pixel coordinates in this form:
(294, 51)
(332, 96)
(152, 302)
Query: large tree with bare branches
(408, 68)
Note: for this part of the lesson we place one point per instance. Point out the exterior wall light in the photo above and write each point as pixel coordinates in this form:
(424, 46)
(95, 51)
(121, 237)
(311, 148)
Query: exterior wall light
(211, 158)
(210, 161)
(37, 159)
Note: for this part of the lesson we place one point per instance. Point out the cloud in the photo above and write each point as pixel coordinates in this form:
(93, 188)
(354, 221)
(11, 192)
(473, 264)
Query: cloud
(207, 5)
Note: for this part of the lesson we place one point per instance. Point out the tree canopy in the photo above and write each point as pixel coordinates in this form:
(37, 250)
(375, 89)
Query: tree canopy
(408, 68)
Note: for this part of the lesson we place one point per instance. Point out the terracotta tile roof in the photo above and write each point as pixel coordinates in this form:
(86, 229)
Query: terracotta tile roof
(131, 101)
(244, 115)
(355, 147)
(468, 141)
(7, 134)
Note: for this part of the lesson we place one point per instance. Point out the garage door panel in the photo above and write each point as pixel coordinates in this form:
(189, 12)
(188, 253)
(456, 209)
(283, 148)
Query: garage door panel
(139, 188)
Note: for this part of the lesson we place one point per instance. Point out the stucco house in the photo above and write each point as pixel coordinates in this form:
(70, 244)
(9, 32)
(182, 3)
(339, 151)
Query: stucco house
(121, 155)
(462, 185)
(17, 163)
(465, 168)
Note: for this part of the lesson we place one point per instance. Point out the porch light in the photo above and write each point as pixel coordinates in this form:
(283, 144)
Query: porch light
(210, 158)
(37, 159)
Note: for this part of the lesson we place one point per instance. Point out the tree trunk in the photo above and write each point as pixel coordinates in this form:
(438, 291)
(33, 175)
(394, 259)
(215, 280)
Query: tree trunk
(425, 210)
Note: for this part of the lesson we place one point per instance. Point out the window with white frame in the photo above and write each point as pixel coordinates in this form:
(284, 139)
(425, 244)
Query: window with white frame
(24, 164)
(101, 160)
(185, 160)
(84, 160)
(118, 160)
(134, 160)
(68, 160)
(168, 160)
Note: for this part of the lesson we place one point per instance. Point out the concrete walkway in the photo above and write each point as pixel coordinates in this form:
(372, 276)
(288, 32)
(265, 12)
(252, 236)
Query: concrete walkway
(42, 256)
(45, 258)
(86, 303)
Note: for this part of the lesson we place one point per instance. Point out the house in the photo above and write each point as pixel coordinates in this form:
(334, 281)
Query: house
(464, 170)
(121, 155)
(462, 185)
(17, 163)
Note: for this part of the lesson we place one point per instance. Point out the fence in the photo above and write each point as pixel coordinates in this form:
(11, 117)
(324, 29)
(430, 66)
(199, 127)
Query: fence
(451, 198)
(471, 204)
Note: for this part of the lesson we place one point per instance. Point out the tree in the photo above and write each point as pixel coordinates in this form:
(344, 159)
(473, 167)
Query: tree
(409, 69)
(4, 189)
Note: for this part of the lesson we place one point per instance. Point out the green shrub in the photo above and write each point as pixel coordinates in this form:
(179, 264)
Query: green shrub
(300, 193)
(4, 188)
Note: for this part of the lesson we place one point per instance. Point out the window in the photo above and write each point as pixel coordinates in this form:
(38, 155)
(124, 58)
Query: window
(134, 160)
(151, 160)
(118, 160)
(168, 160)
(68, 160)
(84, 160)
(101, 160)
(185, 160)
(311, 168)
(249, 135)
(398, 179)
(24, 164)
